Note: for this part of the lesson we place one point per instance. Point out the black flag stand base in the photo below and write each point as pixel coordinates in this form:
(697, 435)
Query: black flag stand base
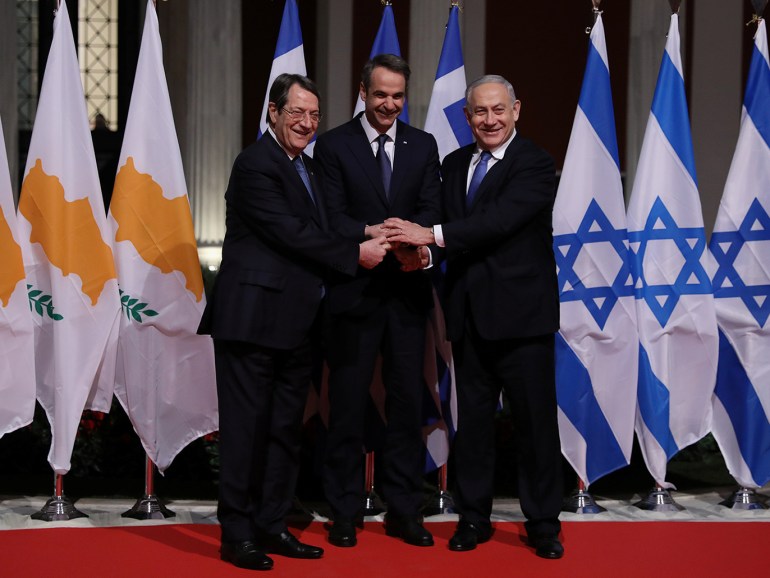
(582, 502)
(58, 507)
(441, 502)
(659, 500)
(372, 503)
(745, 499)
(149, 506)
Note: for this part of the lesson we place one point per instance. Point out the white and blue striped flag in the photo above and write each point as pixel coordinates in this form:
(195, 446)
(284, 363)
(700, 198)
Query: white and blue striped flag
(741, 245)
(386, 42)
(674, 299)
(446, 122)
(597, 345)
(446, 119)
(289, 59)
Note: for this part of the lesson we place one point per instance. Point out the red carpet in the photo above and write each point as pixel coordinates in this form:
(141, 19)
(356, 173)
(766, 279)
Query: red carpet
(594, 549)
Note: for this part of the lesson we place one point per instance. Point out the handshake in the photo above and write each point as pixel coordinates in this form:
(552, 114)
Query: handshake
(406, 240)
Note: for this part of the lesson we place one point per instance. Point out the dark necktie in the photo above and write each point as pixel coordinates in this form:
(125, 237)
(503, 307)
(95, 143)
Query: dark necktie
(478, 176)
(300, 166)
(384, 162)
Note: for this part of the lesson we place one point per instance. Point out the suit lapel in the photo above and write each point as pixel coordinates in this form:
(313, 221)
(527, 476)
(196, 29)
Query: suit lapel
(494, 174)
(320, 211)
(458, 190)
(361, 149)
(298, 188)
(402, 160)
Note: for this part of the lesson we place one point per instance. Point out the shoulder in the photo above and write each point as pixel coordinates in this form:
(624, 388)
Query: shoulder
(458, 157)
(337, 133)
(414, 134)
(523, 147)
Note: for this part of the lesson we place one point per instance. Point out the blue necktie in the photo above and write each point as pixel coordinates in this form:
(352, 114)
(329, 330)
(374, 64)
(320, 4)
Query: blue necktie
(478, 176)
(384, 162)
(300, 166)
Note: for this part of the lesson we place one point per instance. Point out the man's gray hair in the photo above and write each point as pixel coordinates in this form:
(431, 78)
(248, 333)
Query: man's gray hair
(486, 79)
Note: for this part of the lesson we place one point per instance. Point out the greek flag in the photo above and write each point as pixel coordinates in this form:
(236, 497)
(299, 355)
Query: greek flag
(674, 299)
(446, 119)
(741, 245)
(386, 42)
(597, 346)
(289, 58)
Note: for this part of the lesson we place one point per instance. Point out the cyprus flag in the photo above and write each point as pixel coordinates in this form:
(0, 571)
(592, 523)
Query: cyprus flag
(67, 253)
(165, 372)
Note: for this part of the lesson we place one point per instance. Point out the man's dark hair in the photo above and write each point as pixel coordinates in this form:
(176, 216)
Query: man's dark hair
(391, 62)
(279, 91)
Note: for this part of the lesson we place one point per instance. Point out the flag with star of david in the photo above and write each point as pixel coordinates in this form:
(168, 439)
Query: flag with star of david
(740, 244)
(597, 345)
(676, 317)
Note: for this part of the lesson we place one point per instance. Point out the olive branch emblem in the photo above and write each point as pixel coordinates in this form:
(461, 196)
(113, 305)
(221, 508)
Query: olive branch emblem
(133, 309)
(41, 303)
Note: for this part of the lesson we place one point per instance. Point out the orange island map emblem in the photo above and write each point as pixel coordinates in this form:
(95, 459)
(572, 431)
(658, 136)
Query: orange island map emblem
(67, 231)
(160, 229)
(12, 270)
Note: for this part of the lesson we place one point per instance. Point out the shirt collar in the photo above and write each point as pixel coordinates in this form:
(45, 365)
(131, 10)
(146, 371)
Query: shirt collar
(499, 152)
(371, 132)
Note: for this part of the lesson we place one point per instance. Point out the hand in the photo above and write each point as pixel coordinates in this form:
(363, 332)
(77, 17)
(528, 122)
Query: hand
(409, 257)
(374, 231)
(399, 230)
(372, 252)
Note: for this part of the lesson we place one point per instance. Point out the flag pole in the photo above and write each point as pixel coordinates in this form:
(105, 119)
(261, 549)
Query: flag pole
(372, 503)
(58, 508)
(441, 502)
(149, 506)
(759, 8)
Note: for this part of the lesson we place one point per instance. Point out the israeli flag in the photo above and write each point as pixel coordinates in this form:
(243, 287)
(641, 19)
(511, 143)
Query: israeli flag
(597, 346)
(446, 119)
(289, 58)
(678, 341)
(741, 245)
(386, 42)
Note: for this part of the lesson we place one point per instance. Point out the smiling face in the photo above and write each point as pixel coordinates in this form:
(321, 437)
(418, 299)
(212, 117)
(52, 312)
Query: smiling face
(295, 135)
(492, 115)
(384, 100)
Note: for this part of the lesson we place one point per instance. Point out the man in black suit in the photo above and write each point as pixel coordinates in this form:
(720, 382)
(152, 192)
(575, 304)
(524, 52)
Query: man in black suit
(375, 167)
(502, 310)
(275, 258)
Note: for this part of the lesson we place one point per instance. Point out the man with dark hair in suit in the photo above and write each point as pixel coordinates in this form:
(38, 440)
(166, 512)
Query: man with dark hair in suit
(375, 167)
(263, 314)
(502, 310)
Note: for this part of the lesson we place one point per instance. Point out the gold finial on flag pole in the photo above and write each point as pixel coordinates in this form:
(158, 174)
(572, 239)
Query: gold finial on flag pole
(596, 12)
(386, 2)
(675, 6)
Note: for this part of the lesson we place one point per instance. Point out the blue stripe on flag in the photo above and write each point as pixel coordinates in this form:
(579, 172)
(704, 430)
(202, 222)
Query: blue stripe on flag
(669, 105)
(743, 406)
(654, 405)
(596, 101)
(455, 116)
(290, 35)
(575, 394)
(451, 51)
(758, 94)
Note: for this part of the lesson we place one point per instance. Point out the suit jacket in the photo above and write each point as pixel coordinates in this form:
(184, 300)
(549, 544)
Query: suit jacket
(356, 198)
(499, 252)
(276, 254)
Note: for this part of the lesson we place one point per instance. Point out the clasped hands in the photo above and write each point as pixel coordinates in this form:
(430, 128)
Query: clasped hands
(404, 239)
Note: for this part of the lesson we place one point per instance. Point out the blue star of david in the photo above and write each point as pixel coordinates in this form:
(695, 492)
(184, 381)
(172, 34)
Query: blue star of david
(594, 228)
(692, 279)
(725, 246)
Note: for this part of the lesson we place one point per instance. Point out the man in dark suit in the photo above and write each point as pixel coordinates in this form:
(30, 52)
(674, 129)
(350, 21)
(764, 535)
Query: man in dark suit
(275, 258)
(502, 310)
(375, 167)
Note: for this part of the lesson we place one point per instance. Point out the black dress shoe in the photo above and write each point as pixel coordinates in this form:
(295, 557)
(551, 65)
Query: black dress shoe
(467, 536)
(285, 544)
(547, 546)
(409, 530)
(245, 555)
(343, 534)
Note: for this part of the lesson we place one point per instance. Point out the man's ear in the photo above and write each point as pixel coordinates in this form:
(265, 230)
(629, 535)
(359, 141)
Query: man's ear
(272, 111)
(362, 91)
